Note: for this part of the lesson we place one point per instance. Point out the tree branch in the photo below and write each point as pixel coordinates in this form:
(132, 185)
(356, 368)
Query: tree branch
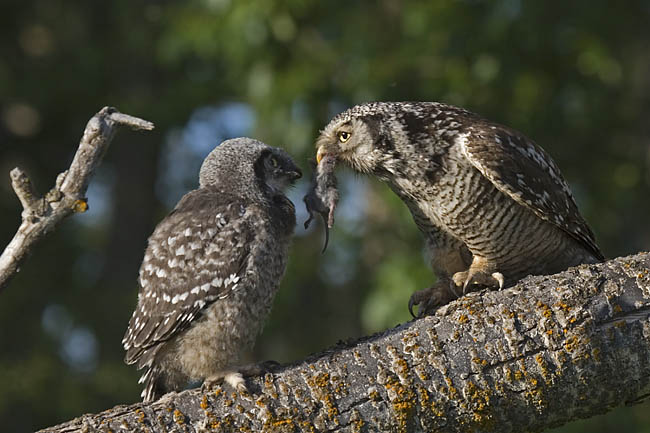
(42, 214)
(549, 350)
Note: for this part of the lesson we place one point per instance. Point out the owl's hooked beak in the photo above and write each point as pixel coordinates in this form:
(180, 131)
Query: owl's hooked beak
(320, 154)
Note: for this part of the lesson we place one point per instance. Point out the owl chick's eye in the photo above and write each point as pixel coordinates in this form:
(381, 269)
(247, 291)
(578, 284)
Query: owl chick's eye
(274, 162)
(344, 136)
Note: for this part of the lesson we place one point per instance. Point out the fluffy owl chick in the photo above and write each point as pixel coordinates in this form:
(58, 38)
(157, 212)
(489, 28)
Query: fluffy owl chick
(212, 268)
(492, 205)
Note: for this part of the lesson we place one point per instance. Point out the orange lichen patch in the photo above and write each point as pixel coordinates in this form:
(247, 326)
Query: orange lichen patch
(546, 311)
(452, 392)
(424, 395)
(402, 365)
(508, 374)
(472, 307)
(341, 387)
(140, 414)
(543, 368)
(179, 418)
(80, 206)
(536, 398)
(571, 343)
(562, 305)
(507, 312)
(480, 361)
(403, 401)
(411, 348)
(478, 401)
(462, 318)
(357, 425)
(268, 380)
(204, 402)
(212, 419)
(320, 387)
(617, 308)
(436, 410)
(280, 425)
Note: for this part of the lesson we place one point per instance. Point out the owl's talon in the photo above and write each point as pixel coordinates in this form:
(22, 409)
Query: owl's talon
(498, 276)
(467, 279)
(430, 299)
(236, 380)
(233, 378)
(416, 298)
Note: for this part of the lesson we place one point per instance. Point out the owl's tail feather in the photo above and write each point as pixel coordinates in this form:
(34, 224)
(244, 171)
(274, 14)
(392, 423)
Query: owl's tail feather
(153, 386)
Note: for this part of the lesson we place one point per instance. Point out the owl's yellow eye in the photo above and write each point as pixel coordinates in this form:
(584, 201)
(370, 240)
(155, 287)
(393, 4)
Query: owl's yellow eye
(344, 136)
(274, 162)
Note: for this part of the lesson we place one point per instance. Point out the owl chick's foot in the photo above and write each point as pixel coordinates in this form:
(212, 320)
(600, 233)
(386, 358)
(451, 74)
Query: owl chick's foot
(233, 378)
(467, 279)
(430, 299)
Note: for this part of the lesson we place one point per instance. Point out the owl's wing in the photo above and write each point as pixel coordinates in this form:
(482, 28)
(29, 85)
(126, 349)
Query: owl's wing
(196, 256)
(525, 172)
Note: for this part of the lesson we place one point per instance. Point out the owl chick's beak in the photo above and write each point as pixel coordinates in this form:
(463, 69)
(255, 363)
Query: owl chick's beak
(295, 174)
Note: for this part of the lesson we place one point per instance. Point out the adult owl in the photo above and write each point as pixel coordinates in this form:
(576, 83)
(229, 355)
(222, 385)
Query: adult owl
(212, 268)
(492, 205)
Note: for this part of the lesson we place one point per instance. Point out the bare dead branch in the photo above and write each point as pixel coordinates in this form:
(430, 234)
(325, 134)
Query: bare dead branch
(547, 351)
(42, 214)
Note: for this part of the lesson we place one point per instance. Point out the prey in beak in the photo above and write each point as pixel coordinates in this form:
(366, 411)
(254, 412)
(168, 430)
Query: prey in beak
(323, 194)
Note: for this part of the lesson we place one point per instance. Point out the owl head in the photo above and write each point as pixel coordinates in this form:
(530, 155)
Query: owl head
(248, 167)
(360, 136)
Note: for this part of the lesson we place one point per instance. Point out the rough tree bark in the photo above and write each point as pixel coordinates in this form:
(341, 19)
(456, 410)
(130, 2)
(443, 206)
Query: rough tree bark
(41, 215)
(549, 350)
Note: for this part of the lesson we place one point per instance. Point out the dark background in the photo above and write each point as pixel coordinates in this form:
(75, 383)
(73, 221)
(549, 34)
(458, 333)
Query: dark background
(574, 76)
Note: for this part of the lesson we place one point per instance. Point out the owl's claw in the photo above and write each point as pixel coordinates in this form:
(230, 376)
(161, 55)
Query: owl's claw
(480, 278)
(430, 299)
(233, 378)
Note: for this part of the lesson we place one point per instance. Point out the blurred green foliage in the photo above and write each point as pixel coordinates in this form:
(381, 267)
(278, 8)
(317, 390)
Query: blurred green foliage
(574, 77)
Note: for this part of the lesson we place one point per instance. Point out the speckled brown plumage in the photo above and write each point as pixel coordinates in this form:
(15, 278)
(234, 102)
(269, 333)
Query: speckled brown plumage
(211, 269)
(492, 205)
